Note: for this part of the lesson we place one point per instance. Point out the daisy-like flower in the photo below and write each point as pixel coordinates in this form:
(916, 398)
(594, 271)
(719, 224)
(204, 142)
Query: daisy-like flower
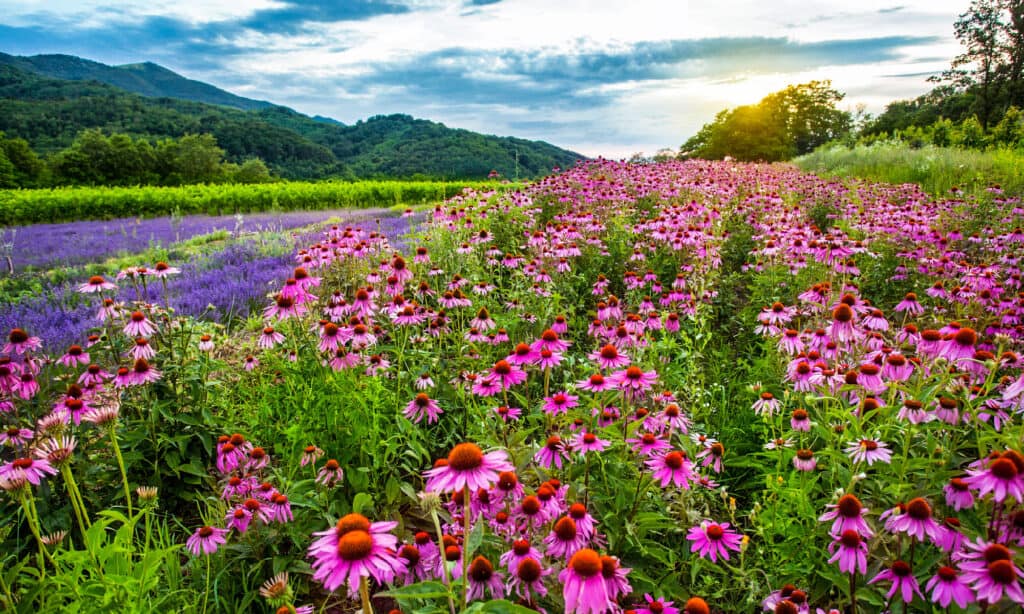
(468, 467)
(869, 451)
(550, 341)
(595, 383)
(608, 357)
(713, 540)
(310, 455)
(559, 403)
(269, 338)
(483, 578)
(352, 549)
(15, 436)
(804, 460)
(946, 587)
(19, 342)
(565, 539)
(712, 456)
(74, 356)
(583, 586)
(330, 474)
(649, 444)
(588, 442)
(847, 513)
(1002, 477)
(508, 414)
(634, 380)
(31, 470)
(958, 494)
(903, 581)
(250, 363)
(506, 375)
(142, 349)
(657, 606)
(672, 468)
(850, 551)
(989, 569)
(423, 406)
(206, 540)
(205, 343)
(162, 270)
(283, 308)
(139, 325)
(910, 305)
(766, 405)
(917, 521)
(95, 284)
(553, 452)
(527, 578)
(523, 354)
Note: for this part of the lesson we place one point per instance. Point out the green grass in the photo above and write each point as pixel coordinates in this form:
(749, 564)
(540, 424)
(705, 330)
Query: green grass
(936, 169)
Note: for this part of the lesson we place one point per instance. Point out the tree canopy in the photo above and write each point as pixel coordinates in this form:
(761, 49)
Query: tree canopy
(784, 124)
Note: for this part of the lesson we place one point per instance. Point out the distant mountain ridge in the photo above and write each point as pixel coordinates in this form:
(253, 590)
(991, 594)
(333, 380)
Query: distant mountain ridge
(145, 79)
(49, 99)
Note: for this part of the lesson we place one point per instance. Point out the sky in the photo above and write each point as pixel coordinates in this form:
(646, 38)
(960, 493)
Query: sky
(598, 77)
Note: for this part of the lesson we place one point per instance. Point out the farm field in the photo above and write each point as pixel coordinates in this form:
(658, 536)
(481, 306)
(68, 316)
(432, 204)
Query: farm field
(679, 387)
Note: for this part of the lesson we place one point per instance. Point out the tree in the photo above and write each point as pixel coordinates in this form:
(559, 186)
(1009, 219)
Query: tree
(7, 178)
(194, 158)
(789, 122)
(252, 170)
(27, 167)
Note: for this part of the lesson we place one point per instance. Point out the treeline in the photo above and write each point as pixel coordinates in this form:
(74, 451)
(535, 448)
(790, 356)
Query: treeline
(119, 160)
(976, 104)
(784, 124)
(50, 114)
(87, 203)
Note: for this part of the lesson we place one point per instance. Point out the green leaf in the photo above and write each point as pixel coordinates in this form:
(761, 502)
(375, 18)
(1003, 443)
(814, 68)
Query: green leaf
(420, 590)
(362, 502)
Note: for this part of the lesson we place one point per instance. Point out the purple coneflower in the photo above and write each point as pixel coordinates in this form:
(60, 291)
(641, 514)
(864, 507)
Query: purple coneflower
(584, 589)
(96, 283)
(206, 540)
(26, 469)
(19, 341)
(1002, 478)
(657, 606)
(139, 325)
(851, 551)
(847, 513)
(869, 451)
(945, 587)
(330, 474)
(355, 548)
(553, 452)
(467, 467)
(903, 581)
(423, 406)
(559, 403)
(608, 357)
(713, 540)
(269, 338)
(74, 356)
(589, 442)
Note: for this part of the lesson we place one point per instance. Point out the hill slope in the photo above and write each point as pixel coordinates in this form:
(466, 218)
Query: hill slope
(49, 112)
(145, 79)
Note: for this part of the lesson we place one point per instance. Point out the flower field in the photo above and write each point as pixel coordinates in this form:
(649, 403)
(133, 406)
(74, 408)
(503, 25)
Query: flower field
(679, 388)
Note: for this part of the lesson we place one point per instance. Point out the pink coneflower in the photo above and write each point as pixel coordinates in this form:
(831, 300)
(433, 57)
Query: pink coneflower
(608, 357)
(583, 585)
(483, 579)
(250, 362)
(343, 359)
(657, 606)
(74, 356)
(269, 338)
(713, 540)
(310, 455)
(423, 382)
(506, 375)
(93, 375)
(330, 474)
(560, 325)
(15, 436)
(910, 305)
(841, 329)
(672, 468)
(523, 354)
(588, 442)
(595, 383)
(913, 412)
(95, 284)
(467, 467)
(712, 456)
(559, 403)
(143, 372)
(553, 452)
(31, 470)
(482, 321)
(649, 444)
(283, 308)
(990, 571)
(851, 551)
(847, 514)
(869, 451)
(549, 359)
(961, 345)
(549, 340)
(1002, 478)
(19, 341)
(766, 404)
(790, 342)
(958, 494)
(206, 540)
(945, 587)
(527, 579)
(565, 539)
(633, 380)
(205, 343)
(903, 581)
(139, 325)
(162, 270)
(352, 549)
(142, 349)
(423, 406)
(799, 420)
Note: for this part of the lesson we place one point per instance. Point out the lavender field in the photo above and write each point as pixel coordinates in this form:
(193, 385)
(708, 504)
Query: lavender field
(227, 263)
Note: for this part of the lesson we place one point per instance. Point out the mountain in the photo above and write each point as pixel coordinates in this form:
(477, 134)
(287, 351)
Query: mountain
(145, 79)
(50, 111)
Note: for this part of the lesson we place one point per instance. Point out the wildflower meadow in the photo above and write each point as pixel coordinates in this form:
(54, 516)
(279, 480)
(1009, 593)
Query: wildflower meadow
(674, 388)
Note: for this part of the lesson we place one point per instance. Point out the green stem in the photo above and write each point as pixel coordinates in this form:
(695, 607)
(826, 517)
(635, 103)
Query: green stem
(364, 594)
(444, 566)
(465, 545)
(206, 593)
(74, 495)
(120, 465)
